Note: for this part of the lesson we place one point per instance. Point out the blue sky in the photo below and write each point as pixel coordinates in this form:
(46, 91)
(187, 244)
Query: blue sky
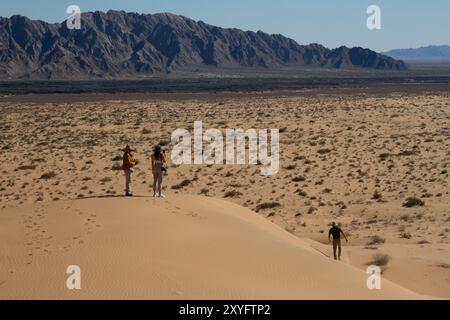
(405, 23)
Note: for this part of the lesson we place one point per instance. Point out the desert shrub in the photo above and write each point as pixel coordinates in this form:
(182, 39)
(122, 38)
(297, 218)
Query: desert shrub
(376, 240)
(384, 156)
(116, 166)
(377, 195)
(407, 153)
(181, 185)
(405, 235)
(232, 194)
(413, 202)
(267, 205)
(299, 179)
(48, 175)
(27, 167)
(405, 217)
(164, 143)
(323, 151)
(381, 259)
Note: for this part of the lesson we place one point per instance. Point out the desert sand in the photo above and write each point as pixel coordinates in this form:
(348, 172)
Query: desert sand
(227, 231)
(188, 247)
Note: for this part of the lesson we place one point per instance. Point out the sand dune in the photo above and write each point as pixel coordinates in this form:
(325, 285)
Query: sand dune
(183, 247)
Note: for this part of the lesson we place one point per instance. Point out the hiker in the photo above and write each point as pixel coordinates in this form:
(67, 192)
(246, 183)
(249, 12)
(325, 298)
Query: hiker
(158, 169)
(128, 163)
(336, 232)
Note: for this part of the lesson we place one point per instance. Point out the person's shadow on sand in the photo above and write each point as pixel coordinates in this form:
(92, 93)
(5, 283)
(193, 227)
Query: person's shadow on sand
(109, 197)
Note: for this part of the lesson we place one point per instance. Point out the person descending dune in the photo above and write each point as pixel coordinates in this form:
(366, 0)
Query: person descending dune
(128, 162)
(336, 232)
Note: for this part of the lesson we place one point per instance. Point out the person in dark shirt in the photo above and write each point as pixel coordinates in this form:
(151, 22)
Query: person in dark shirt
(336, 232)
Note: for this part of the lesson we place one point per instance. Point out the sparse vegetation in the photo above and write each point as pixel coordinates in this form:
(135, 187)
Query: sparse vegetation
(380, 259)
(384, 156)
(323, 151)
(116, 166)
(413, 202)
(27, 167)
(299, 179)
(182, 184)
(377, 195)
(164, 143)
(267, 205)
(105, 180)
(405, 235)
(233, 194)
(48, 175)
(375, 240)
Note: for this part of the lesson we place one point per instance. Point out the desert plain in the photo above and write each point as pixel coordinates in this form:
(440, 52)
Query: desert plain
(375, 163)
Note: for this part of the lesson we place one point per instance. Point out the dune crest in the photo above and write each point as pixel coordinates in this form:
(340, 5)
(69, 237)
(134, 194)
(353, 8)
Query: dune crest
(183, 247)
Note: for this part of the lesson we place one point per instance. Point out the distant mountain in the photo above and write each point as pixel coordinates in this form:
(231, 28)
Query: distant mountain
(430, 53)
(117, 44)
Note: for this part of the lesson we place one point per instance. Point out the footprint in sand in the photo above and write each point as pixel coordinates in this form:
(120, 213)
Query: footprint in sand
(194, 215)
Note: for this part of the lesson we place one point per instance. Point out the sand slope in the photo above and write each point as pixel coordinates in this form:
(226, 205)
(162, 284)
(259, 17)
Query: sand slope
(184, 247)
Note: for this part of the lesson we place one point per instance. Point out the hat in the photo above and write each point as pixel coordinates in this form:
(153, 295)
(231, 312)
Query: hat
(157, 149)
(128, 149)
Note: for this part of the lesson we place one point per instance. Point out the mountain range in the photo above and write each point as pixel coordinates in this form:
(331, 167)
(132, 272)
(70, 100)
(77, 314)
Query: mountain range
(117, 44)
(429, 53)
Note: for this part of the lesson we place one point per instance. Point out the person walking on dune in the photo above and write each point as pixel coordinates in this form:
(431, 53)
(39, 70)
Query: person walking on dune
(158, 169)
(128, 162)
(336, 232)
